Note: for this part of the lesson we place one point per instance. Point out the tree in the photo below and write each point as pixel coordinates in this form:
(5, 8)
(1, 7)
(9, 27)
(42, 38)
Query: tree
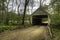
(18, 9)
(26, 3)
(55, 17)
(55, 4)
(2, 10)
(7, 14)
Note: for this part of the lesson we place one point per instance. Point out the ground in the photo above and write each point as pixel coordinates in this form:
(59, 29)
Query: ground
(31, 33)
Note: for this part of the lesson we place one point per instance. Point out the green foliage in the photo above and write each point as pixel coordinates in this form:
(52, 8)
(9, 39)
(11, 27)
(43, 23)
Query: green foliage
(45, 7)
(2, 5)
(55, 4)
(13, 18)
(55, 20)
(56, 32)
(6, 27)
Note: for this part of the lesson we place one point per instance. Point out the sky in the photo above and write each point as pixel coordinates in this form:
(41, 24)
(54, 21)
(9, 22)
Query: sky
(21, 2)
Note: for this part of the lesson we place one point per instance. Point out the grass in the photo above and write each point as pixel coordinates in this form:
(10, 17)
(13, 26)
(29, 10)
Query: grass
(6, 27)
(13, 27)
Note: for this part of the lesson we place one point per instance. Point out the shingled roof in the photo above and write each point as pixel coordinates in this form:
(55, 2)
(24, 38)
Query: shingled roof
(40, 11)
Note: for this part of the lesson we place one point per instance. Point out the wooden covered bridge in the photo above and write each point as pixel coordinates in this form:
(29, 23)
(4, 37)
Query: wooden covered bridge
(38, 16)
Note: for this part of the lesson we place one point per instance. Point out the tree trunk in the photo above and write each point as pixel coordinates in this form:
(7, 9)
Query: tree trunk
(7, 14)
(26, 3)
(18, 15)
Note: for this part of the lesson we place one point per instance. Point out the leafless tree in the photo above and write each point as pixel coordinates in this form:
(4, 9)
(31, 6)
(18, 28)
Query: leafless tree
(26, 3)
(18, 8)
(12, 10)
(7, 14)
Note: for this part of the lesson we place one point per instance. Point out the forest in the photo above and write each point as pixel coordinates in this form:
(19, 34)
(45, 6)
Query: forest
(16, 14)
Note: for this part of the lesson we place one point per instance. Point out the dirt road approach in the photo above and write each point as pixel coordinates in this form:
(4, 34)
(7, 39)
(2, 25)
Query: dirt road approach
(31, 33)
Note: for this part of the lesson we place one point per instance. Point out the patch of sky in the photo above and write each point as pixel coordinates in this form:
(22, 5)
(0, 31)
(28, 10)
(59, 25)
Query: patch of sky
(15, 3)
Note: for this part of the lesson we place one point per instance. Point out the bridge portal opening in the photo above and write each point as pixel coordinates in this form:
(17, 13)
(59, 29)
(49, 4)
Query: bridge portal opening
(40, 19)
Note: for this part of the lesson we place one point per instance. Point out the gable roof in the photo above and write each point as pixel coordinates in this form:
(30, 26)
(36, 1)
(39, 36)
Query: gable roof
(40, 11)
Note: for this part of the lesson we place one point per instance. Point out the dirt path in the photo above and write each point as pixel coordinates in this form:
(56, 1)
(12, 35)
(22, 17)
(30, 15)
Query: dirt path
(32, 33)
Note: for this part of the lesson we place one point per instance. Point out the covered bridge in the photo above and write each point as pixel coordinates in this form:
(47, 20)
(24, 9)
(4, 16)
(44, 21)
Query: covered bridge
(38, 16)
